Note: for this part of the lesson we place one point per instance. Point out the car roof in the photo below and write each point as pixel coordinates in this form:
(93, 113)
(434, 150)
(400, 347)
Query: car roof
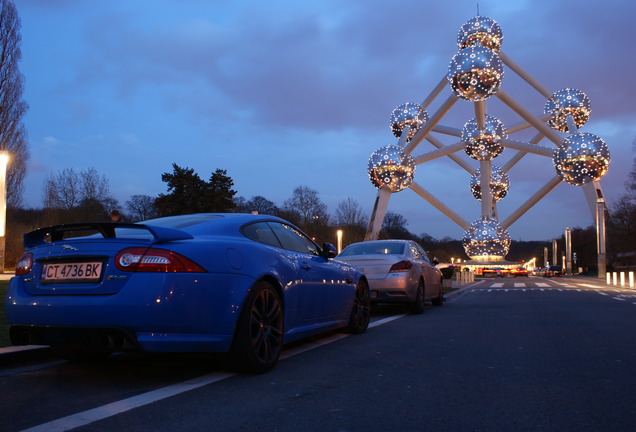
(383, 241)
(194, 221)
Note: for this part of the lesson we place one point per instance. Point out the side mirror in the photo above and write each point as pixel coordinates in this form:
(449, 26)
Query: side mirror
(328, 250)
(435, 261)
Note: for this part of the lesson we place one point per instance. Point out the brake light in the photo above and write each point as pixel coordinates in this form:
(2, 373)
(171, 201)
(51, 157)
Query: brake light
(401, 266)
(24, 265)
(155, 260)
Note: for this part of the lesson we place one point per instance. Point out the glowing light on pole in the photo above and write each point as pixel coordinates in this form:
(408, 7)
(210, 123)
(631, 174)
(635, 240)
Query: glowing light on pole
(339, 234)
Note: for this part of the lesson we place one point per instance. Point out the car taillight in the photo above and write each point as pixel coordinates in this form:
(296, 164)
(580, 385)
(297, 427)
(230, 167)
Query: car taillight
(155, 260)
(401, 266)
(24, 265)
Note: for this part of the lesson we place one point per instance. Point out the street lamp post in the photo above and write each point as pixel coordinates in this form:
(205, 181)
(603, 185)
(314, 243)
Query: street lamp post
(568, 251)
(4, 161)
(339, 233)
(600, 237)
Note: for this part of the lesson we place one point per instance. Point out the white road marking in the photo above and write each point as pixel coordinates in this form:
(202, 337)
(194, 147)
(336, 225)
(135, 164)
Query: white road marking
(543, 285)
(89, 416)
(86, 417)
(519, 285)
(497, 285)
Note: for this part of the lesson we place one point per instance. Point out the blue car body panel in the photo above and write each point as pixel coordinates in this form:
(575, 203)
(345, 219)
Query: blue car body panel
(183, 311)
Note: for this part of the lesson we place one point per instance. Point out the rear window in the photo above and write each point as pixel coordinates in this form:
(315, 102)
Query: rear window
(373, 249)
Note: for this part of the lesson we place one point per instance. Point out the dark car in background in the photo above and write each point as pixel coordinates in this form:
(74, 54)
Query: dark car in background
(492, 272)
(553, 271)
(519, 271)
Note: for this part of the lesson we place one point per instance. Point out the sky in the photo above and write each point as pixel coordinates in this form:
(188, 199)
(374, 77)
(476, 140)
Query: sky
(288, 93)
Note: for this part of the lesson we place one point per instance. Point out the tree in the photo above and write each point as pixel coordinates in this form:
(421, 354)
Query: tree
(94, 186)
(61, 190)
(261, 205)
(13, 135)
(349, 213)
(186, 190)
(79, 197)
(630, 184)
(621, 225)
(188, 193)
(219, 193)
(307, 210)
(141, 207)
(394, 226)
(353, 222)
(68, 189)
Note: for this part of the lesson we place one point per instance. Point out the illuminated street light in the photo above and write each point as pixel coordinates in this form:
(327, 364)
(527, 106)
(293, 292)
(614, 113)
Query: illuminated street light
(4, 161)
(339, 234)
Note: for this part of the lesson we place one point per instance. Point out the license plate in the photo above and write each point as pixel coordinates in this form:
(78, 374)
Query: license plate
(84, 271)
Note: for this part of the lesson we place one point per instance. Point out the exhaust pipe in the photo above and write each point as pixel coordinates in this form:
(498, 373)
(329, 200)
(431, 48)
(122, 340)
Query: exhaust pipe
(111, 342)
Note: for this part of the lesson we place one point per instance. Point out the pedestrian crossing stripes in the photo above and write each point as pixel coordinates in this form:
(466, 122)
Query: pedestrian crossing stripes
(522, 285)
(553, 285)
(622, 295)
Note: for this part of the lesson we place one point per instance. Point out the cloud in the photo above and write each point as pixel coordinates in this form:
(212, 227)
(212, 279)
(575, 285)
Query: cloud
(284, 93)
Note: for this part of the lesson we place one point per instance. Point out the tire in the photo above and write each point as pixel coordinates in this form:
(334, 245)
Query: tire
(417, 306)
(258, 340)
(439, 300)
(361, 309)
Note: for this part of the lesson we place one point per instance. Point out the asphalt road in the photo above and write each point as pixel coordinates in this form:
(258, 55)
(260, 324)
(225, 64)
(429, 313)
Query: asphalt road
(526, 354)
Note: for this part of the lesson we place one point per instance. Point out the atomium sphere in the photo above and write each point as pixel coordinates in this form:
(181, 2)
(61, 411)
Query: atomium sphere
(475, 73)
(486, 240)
(408, 114)
(480, 31)
(484, 144)
(391, 166)
(582, 158)
(499, 184)
(564, 103)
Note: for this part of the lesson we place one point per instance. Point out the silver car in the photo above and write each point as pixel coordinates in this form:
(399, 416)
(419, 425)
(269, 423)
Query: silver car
(398, 271)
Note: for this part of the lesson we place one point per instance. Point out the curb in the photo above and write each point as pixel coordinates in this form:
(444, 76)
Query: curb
(460, 290)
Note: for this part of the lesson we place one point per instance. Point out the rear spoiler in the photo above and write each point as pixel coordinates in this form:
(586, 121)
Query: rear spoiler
(106, 229)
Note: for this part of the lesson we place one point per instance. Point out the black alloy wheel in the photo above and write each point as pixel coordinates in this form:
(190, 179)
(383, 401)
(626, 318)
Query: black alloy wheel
(259, 334)
(361, 310)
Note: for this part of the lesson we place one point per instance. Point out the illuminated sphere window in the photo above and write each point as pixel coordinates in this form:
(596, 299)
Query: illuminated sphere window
(408, 114)
(485, 240)
(391, 166)
(480, 31)
(564, 103)
(499, 184)
(484, 144)
(475, 73)
(582, 158)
